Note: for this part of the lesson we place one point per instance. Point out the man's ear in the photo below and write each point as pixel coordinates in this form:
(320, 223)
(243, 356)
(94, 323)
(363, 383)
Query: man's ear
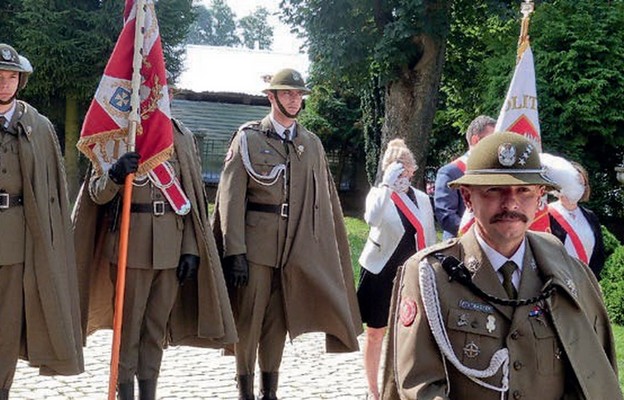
(465, 193)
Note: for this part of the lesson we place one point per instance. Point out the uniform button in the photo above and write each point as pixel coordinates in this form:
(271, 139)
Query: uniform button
(474, 324)
(515, 335)
(517, 394)
(4, 171)
(51, 199)
(518, 365)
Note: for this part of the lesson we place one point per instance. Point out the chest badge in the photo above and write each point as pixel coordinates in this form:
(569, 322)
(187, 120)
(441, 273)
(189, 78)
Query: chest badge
(408, 311)
(491, 323)
(300, 150)
(471, 350)
(462, 320)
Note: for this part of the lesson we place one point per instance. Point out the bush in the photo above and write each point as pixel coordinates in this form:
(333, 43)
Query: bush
(612, 284)
(611, 243)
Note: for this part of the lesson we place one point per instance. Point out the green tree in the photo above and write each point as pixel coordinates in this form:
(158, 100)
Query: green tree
(201, 30)
(579, 62)
(398, 45)
(8, 19)
(215, 25)
(68, 42)
(175, 18)
(256, 29)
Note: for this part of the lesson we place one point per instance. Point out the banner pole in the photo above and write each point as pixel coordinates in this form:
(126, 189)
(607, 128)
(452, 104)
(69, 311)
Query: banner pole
(526, 8)
(133, 122)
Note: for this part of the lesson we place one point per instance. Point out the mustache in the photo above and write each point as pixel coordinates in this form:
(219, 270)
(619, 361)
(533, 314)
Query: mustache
(509, 215)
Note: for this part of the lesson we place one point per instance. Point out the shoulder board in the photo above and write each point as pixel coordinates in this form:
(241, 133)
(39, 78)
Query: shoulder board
(437, 247)
(251, 125)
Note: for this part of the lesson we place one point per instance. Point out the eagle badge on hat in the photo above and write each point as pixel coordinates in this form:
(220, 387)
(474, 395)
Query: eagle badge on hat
(506, 154)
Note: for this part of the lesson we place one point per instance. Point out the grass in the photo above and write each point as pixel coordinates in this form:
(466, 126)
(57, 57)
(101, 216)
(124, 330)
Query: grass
(357, 232)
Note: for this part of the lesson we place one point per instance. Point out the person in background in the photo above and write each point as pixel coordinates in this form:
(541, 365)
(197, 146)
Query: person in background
(401, 223)
(39, 307)
(500, 312)
(448, 204)
(576, 226)
(280, 228)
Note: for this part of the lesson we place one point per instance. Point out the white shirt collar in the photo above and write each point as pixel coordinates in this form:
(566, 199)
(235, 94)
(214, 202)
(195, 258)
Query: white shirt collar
(497, 259)
(9, 114)
(279, 128)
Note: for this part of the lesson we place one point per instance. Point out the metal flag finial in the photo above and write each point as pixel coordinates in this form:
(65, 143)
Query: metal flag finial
(526, 8)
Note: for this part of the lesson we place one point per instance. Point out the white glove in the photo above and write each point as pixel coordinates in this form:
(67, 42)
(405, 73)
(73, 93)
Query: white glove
(391, 173)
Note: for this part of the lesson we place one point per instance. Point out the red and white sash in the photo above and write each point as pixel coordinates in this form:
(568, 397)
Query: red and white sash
(163, 177)
(409, 209)
(581, 253)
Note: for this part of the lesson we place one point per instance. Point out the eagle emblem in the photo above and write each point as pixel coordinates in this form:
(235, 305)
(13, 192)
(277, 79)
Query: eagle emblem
(506, 154)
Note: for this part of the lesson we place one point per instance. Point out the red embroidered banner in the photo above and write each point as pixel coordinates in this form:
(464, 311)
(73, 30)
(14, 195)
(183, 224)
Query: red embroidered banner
(105, 130)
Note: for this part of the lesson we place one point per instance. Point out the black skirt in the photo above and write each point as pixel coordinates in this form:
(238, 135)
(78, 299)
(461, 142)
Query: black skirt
(375, 290)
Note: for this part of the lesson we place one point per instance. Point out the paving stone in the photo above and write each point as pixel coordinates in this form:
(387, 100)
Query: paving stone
(307, 373)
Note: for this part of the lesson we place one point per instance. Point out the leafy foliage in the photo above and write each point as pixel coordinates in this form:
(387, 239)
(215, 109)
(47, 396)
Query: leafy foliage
(612, 284)
(386, 51)
(215, 25)
(256, 29)
(175, 18)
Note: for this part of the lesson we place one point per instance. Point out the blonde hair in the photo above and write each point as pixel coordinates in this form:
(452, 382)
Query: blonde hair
(397, 151)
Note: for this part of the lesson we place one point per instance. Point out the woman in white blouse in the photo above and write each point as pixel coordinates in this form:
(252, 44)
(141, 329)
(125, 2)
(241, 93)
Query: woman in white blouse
(576, 226)
(401, 223)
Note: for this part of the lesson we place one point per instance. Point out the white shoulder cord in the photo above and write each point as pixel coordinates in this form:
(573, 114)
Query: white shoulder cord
(431, 302)
(265, 180)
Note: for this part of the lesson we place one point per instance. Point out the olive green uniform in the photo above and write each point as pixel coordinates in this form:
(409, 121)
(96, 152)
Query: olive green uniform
(558, 348)
(157, 238)
(39, 314)
(287, 248)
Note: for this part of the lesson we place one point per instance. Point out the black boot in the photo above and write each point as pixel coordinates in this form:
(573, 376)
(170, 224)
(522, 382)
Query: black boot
(268, 386)
(147, 389)
(4, 394)
(125, 391)
(245, 387)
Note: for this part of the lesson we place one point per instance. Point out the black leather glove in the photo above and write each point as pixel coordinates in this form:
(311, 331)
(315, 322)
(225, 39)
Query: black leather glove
(126, 164)
(187, 268)
(237, 270)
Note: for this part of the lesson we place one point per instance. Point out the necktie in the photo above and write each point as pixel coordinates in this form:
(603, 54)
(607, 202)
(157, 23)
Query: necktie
(507, 270)
(2, 122)
(287, 135)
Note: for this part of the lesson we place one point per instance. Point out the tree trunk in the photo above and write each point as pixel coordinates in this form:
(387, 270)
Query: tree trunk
(410, 102)
(72, 131)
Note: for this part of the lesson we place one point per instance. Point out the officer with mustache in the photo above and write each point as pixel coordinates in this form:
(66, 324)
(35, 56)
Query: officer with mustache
(501, 312)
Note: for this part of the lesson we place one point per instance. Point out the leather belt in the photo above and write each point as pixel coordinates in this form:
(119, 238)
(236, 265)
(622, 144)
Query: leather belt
(10, 200)
(157, 207)
(279, 209)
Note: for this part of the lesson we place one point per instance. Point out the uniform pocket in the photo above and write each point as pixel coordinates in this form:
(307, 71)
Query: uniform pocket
(475, 336)
(547, 346)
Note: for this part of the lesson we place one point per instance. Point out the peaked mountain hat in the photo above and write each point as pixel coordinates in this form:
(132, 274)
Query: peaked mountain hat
(504, 159)
(287, 79)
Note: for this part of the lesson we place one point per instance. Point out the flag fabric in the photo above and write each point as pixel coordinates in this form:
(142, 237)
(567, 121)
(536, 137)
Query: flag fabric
(104, 135)
(519, 114)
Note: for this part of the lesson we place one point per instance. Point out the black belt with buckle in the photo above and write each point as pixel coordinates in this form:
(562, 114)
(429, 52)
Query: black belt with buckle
(279, 209)
(10, 200)
(157, 208)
